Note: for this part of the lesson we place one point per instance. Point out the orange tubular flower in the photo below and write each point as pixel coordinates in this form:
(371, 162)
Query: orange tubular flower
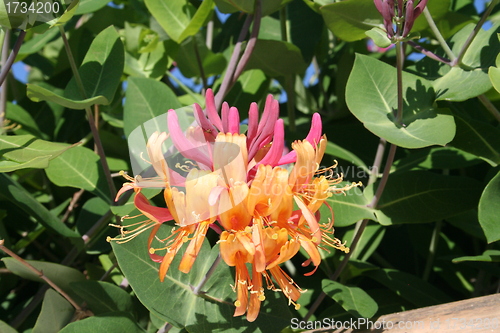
(235, 183)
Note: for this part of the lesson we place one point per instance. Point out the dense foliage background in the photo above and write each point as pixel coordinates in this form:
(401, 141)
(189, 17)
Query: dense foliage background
(102, 69)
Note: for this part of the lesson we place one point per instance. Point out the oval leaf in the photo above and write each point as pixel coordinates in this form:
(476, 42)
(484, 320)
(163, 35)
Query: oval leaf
(371, 96)
(79, 167)
(421, 196)
(353, 299)
(489, 208)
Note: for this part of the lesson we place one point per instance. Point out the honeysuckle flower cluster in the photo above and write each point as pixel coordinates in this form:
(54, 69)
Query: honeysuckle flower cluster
(400, 14)
(237, 185)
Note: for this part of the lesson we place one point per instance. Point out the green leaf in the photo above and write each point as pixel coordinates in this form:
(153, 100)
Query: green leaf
(185, 56)
(100, 73)
(199, 19)
(38, 94)
(90, 6)
(437, 8)
(494, 74)
(409, 287)
(38, 42)
(339, 152)
(349, 20)
(353, 299)
(80, 168)
(421, 196)
(55, 314)
(478, 138)
(276, 58)
(173, 16)
(489, 209)
(16, 194)
(246, 6)
(152, 64)
(471, 78)
(103, 297)
(371, 96)
(5, 328)
(145, 100)
(61, 275)
(436, 158)
(112, 323)
(368, 243)
(487, 256)
(204, 313)
(348, 208)
(26, 151)
(379, 37)
(92, 210)
(251, 86)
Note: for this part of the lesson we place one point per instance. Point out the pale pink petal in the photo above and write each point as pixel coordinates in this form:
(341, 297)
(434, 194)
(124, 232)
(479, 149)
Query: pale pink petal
(185, 147)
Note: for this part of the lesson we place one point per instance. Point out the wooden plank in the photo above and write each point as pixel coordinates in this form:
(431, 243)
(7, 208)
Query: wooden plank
(478, 315)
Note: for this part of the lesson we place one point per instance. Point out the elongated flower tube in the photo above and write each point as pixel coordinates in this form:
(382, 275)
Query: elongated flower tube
(235, 184)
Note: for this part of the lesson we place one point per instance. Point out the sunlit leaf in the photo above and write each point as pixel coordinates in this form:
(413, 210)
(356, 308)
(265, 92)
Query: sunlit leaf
(489, 208)
(353, 299)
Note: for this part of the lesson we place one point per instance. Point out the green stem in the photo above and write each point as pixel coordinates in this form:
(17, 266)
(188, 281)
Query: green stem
(438, 35)
(41, 275)
(432, 250)
(359, 232)
(90, 117)
(3, 93)
(489, 106)
(474, 33)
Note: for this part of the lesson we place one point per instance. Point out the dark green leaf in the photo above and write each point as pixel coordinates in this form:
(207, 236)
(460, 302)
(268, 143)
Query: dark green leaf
(353, 299)
(103, 297)
(371, 96)
(436, 158)
(61, 275)
(17, 195)
(92, 210)
(489, 209)
(276, 58)
(117, 322)
(488, 256)
(231, 6)
(56, 313)
(478, 138)
(421, 196)
(409, 287)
